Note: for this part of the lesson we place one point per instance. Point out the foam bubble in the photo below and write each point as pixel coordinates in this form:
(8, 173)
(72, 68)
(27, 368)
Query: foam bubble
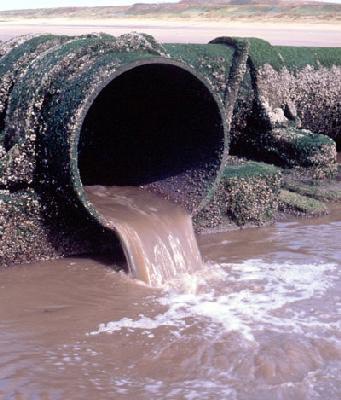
(241, 297)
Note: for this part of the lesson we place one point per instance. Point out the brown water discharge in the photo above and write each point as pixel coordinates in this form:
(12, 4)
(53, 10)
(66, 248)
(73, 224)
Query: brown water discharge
(260, 321)
(157, 235)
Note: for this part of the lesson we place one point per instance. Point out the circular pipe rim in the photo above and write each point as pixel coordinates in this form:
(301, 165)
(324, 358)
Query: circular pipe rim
(75, 135)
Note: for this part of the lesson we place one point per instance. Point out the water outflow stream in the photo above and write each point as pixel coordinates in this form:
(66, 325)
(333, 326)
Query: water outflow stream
(157, 235)
(260, 321)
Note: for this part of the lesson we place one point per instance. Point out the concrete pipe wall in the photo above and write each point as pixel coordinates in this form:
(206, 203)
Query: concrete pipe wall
(99, 110)
(295, 87)
(163, 116)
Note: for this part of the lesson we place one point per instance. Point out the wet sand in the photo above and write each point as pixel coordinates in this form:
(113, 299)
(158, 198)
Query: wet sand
(261, 320)
(192, 31)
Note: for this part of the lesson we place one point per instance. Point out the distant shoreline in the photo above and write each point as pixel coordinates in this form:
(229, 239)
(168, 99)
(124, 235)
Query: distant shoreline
(190, 11)
(192, 21)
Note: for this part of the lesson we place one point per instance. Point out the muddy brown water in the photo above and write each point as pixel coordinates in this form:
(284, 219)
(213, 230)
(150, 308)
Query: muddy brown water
(157, 235)
(260, 320)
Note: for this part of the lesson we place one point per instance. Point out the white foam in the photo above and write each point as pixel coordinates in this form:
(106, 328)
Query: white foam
(187, 389)
(238, 297)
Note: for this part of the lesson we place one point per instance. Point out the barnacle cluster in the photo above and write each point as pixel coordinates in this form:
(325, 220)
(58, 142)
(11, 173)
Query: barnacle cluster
(278, 105)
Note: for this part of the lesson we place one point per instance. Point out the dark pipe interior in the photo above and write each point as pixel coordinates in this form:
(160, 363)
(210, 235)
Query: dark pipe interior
(151, 122)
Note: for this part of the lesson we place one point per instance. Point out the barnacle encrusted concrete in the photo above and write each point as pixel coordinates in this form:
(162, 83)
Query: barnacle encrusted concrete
(274, 104)
(285, 90)
(326, 192)
(31, 228)
(291, 147)
(51, 119)
(300, 205)
(23, 234)
(248, 193)
(252, 191)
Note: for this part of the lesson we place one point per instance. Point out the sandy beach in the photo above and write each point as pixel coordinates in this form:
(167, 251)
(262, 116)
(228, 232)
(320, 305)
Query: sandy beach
(310, 34)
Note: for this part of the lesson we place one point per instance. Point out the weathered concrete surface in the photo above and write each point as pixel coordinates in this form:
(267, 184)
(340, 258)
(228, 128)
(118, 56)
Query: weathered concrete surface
(259, 97)
(311, 94)
(248, 194)
(43, 126)
(287, 87)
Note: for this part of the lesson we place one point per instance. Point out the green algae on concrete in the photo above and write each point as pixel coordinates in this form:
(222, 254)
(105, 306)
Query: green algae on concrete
(290, 57)
(317, 57)
(249, 169)
(299, 205)
(247, 194)
(325, 192)
(304, 81)
(291, 147)
(267, 96)
(16, 62)
(42, 131)
(211, 61)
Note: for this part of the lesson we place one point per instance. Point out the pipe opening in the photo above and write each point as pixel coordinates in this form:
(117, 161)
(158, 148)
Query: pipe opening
(150, 123)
